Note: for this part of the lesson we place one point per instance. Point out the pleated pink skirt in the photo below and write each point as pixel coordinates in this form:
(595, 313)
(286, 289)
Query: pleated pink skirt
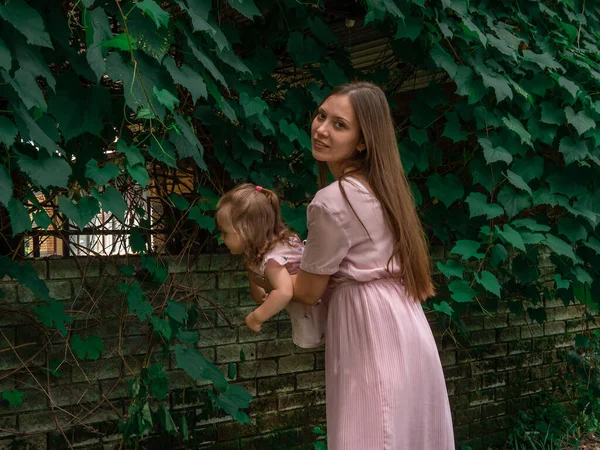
(385, 385)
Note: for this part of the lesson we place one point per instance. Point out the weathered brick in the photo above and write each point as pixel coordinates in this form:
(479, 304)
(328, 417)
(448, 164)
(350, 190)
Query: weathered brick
(311, 380)
(498, 321)
(234, 316)
(493, 380)
(260, 368)
(481, 367)
(9, 290)
(234, 430)
(224, 298)
(281, 383)
(268, 332)
(448, 358)
(570, 312)
(218, 262)
(232, 280)
(198, 281)
(74, 268)
(509, 334)
(301, 399)
(481, 397)
(96, 370)
(227, 353)
(296, 363)
(551, 328)
(483, 337)
(211, 337)
(532, 331)
(275, 348)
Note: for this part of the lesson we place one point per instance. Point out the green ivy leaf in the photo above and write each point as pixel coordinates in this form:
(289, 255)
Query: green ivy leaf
(53, 314)
(529, 168)
(139, 174)
(42, 219)
(551, 114)
(177, 311)
(121, 42)
(132, 154)
(112, 200)
(5, 57)
(19, 216)
(136, 299)
(45, 171)
(467, 249)
(451, 268)
(27, 125)
(231, 371)
(82, 212)
(90, 348)
(573, 150)
(511, 236)
(444, 60)
(569, 86)
(495, 81)
(234, 399)
(560, 283)
(8, 131)
(101, 175)
(246, 8)
(197, 366)
(155, 12)
(498, 254)
(25, 84)
(581, 121)
(252, 105)
(453, 129)
(489, 282)
(530, 224)
(444, 308)
(162, 327)
(572, 229)
(165, 417)
(166, 99)
(478, 206)
(163, 151)
(27, 21)
(14, 397)
(304, 51)
(321, 30)
(187, 77)
(127, 270)
(516, 126)
(334, 75)
(494, 154)
(419, 137)
(205, 222)
(78, 118)
(560, 247)
(206, 62)
(137, 240)
(518, 182)
(6, 186)
(461, 291)
(447, 189)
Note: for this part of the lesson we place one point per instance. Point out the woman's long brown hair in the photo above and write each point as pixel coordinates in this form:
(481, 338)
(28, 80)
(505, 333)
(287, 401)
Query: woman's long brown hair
(380, 165)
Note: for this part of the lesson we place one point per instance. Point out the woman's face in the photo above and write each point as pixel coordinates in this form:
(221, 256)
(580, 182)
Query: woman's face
(335, 132)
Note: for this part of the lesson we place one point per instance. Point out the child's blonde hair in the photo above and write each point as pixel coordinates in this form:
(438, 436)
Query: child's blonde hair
(254, 213)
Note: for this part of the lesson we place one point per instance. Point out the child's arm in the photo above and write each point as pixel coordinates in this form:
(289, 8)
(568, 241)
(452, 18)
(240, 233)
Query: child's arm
(277, 299)
(258, 293)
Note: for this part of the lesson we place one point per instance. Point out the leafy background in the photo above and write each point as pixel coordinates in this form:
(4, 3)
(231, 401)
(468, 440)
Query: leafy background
(102, 100)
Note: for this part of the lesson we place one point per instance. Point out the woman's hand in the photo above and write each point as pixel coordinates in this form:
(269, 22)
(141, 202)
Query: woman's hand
(253, 322)
(262, 282)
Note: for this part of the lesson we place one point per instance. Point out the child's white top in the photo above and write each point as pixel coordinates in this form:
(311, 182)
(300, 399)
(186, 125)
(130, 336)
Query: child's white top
(308, 322)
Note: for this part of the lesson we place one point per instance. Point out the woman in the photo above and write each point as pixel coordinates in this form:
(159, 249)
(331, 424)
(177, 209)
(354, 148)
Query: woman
(367, 256)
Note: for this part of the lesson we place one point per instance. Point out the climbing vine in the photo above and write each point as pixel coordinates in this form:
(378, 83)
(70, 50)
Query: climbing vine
(101, 101)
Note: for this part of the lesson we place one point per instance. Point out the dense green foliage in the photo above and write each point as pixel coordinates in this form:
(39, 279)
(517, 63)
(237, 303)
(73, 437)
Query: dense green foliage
(102, 98)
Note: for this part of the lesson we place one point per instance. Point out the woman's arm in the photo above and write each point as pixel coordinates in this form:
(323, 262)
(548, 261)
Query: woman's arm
(277, 299)
(309, 287)
(258, 293)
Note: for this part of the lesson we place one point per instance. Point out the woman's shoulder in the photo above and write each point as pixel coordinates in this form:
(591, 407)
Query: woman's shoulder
(332, 195)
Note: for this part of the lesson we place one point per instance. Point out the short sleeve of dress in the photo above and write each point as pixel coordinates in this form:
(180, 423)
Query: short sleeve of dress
(327, 243)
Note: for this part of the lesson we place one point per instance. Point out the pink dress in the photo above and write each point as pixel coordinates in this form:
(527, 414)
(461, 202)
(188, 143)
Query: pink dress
(384, 381)
(308, 322)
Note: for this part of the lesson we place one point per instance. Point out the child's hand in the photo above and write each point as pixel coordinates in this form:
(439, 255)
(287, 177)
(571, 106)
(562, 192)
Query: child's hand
(253, 323)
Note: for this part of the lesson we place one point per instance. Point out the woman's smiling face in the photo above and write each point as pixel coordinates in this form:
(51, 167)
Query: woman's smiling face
(335, 132)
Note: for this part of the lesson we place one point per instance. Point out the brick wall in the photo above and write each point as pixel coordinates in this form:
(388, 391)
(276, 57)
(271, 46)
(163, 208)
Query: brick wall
(506, 362)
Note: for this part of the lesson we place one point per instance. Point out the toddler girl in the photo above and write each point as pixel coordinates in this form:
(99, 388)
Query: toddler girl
(249, 219)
